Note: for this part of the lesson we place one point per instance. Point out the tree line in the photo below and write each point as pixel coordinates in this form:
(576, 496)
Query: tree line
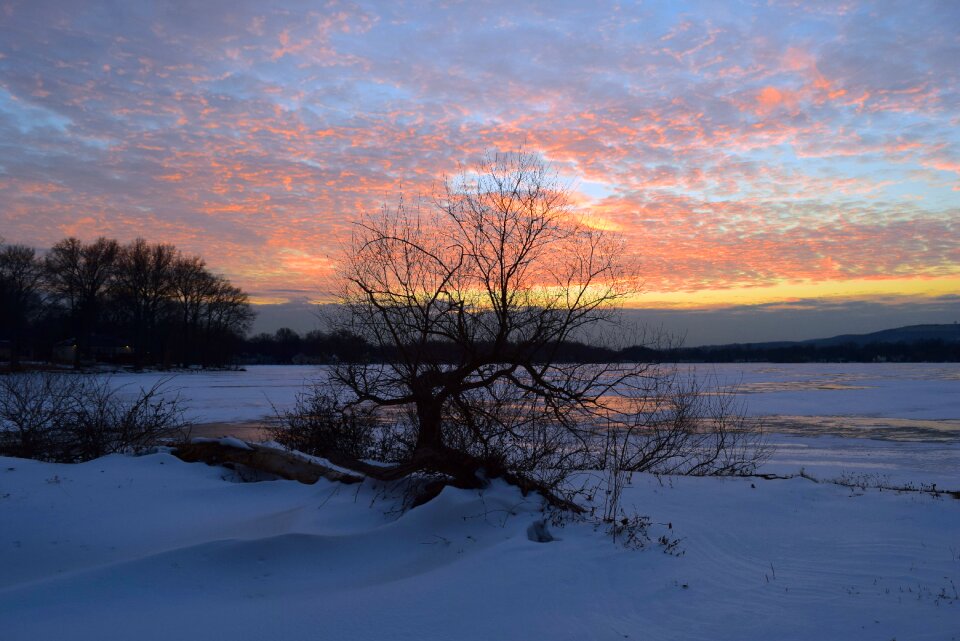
(286, 346)
(139, 303)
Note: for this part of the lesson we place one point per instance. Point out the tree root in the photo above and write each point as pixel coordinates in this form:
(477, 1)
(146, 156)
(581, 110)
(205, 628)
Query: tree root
(286, 465)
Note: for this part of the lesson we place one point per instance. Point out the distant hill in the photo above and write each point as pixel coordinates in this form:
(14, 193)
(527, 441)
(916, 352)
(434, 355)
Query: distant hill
(909, 335)
(911, 343)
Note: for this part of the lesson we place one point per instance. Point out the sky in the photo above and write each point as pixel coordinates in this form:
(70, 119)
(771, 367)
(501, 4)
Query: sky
(773, 163)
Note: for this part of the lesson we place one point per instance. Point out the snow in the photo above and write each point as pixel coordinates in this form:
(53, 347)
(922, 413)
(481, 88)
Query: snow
(153, 548)
(235, 443)
(893, 462)
(918, 391)
(229, 395)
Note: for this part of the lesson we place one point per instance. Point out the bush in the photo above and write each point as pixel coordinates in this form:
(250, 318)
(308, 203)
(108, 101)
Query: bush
(321, 424)
(76, 417)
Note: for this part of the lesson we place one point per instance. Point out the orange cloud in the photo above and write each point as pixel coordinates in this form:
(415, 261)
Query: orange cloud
(731, 154)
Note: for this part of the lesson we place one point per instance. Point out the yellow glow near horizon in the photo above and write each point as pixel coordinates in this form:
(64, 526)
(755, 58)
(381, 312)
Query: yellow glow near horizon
(800, 290)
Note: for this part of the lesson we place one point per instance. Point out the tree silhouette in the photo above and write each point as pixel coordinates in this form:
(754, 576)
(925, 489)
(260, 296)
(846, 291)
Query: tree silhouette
(472, 298)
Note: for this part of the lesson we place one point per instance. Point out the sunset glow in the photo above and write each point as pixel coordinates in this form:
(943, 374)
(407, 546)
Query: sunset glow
(751, 153)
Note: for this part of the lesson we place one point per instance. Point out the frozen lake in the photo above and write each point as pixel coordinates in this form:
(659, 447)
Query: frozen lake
(896, 398)
(898, 420)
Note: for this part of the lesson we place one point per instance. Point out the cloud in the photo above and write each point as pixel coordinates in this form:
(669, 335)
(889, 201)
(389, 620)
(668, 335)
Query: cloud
(736, 145)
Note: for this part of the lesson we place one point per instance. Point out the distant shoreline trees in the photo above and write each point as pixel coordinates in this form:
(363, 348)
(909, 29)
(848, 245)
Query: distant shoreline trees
(138, 304)
(286, 346)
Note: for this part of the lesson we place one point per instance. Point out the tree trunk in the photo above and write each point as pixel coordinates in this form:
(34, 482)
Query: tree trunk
(429, 418)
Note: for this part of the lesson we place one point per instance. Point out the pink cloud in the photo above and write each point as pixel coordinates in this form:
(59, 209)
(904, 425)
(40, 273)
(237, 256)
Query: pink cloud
(730, 149)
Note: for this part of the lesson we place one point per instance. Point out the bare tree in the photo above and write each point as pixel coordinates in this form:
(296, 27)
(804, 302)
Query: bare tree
(142, 286)
(472, 299)
(211, 311)
(226, 317)
(78, 276)
(193, 285)
(20, 281)
(482, 288)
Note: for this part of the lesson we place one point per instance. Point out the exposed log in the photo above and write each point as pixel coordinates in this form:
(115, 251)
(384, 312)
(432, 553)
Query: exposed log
(258, 457)
(462, 471)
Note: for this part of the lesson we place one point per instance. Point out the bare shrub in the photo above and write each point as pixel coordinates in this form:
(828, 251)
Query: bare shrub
(683, 429)
(105, 422)
(72, 417)
(675, 427)
(321, 424)
(34, 414)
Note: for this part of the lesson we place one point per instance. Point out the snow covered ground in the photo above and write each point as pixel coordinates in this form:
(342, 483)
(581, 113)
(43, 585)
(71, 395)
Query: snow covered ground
(154, 548)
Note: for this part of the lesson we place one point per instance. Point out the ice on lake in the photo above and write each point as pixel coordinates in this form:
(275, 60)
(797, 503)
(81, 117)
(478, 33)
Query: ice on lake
(899, 420)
